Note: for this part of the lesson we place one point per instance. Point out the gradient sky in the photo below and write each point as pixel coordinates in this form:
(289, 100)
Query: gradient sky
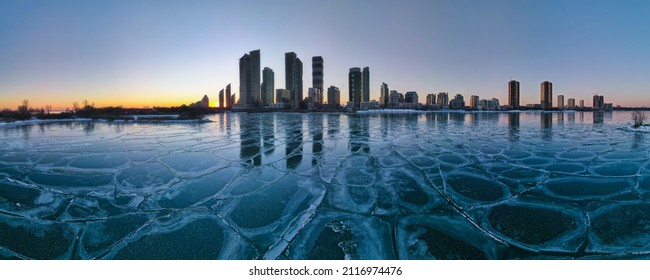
(162, 53)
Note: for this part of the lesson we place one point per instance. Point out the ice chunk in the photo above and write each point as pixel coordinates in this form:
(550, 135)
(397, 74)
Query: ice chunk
(100, 236)
(144, 179)
(99, 162)
(537, 226)
(338, 235)
(616, 169)
(265, 215)
(585, 188)
(475, 186)
(620, 228)
(183, 236)
(193, 163)
(444, 235)
(22, 235)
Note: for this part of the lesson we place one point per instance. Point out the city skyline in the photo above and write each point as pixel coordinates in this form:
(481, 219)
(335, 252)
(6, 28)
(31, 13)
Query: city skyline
(125, 53)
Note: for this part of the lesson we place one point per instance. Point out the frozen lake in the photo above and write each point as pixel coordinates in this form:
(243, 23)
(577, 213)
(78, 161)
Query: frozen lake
(328, 186)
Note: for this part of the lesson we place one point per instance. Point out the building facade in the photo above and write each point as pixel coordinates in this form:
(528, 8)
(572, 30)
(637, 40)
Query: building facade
(366, 84)
(317, 74)
(431, 99)
(334, 96)
(355, 87)
(560, 102)
(221, 99)
(228, 98)
(293, 78)
(411, 97)
(457, 103)
(384, 95)
(473, 102)
(268, 86)
(598, 102)
(513, 94)
(443, 100)
(546, 95)
(571, 103)
(249, 79)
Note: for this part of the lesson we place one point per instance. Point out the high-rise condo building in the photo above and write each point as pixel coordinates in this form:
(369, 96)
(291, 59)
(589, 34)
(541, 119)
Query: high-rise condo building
(333, 96)
(443, 100)
(546, 95)
(221, 98)
(473, 102)
(560, 102)
(355, 83)
(431, 99)
(282, 96)
(317, 72)
(571, 103)
(249, 79)
(384, 95)
(513, 94)
(366, 84)
(457, 103)
(393, 98)
(268, 85)
(314, 95)
(229, 98)
(293, 77)
(582, 103)
(599, 102)
(411, 97)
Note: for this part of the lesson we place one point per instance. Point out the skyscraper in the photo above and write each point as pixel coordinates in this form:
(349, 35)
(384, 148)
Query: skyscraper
(411, 97)
(431, 99)
(582, 103)
(293, 77)
(546, 95)
(245, 78)
(366, 84)
(513, 94)
(249, 79)
(333, 96)
(282, 96)
(255, 77)
(383, 95)
(457, 103)
(317, 72)
(355, 87)
(599, 102)
(571, 103)
(229, 99)
(473, 102)
(221, 99)
(443, 100)
(314, 95)
(560, 102)
(268, 85)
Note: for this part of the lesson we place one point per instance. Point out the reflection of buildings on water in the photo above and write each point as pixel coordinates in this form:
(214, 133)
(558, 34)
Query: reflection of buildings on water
(458, 118)
(546, 124)
(333, 124)
(598, 116)
(571, 117)
(359, 135)
(442, 118)
(315, 127)
(513, 127)
(560, 118)
(294, 139)
(268, 133)
(249, 140)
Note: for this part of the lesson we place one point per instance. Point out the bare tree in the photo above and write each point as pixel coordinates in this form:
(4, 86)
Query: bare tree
(75, 106)
(48, 109)
(638, 118)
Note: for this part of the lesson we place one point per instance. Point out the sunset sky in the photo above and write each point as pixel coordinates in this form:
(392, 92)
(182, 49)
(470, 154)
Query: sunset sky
(166, 53)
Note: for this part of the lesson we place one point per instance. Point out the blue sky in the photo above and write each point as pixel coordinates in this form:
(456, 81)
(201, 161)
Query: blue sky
(162, 53)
